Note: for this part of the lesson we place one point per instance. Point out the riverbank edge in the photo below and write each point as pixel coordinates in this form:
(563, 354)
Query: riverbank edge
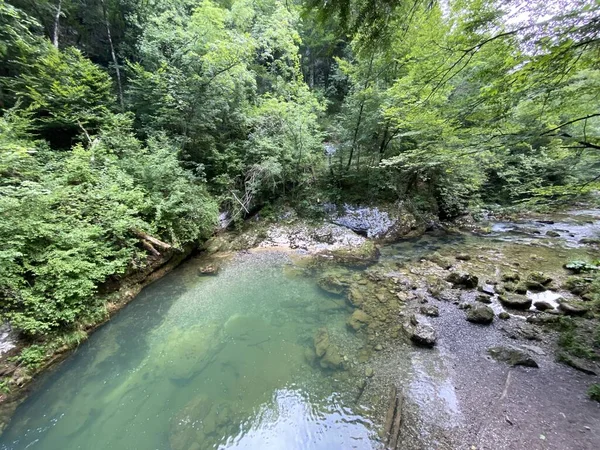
(350, 250)
(125, 291)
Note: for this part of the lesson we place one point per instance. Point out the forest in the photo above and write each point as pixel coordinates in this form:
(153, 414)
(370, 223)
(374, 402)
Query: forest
(129, 118)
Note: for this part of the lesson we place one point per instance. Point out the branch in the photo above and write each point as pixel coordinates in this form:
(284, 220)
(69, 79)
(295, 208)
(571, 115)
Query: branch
(570, 122)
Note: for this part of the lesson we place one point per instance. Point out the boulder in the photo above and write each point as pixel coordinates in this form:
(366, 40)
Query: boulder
(328, 353)
(512, 355)
(431, 311)
(577, 363)
(355, 296)
(482, 298)
(504, 315)
(420, 332)
(541, 305)
(358, 320)
(543, 319)
(463, 280)
(537, 281)
(515, 301)
(480, 314)
(332, 283)
(552, 233)
(442, 261)
(572, 308)
(510, 277)
(488, 288)
(463, 257)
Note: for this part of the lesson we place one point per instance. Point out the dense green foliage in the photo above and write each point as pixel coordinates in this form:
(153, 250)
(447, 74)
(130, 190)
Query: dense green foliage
(121, 117)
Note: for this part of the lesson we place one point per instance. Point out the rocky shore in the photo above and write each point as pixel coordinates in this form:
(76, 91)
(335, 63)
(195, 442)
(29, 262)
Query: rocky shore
(463, 325)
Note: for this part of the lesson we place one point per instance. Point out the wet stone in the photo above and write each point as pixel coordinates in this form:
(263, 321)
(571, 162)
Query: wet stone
(463, 280)
(432, 311)
(488, 289)
(511, 277)
(504, 315)
(420, 332)
(480, 314)
(573, 308)
(515, 301)
(542, 305)
(482, 298)
(512, 355)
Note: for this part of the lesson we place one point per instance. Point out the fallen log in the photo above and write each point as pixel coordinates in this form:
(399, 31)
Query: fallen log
(389, 416)
(148, 246)
(152, 240)
(397, 427)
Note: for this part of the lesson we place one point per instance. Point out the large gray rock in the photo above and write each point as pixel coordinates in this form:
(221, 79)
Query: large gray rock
(420, 332)
(464, 280)
(431, 310)
(480, 314)
(512, 355)
(573, 308)
(515, 301)
(374, 222)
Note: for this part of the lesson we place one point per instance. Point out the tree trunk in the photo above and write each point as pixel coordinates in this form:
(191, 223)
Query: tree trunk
(56, 24)
(360, 113)
(113, 54)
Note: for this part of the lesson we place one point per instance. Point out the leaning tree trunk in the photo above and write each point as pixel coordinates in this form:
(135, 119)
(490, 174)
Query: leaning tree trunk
(56, 24)
(113, 54)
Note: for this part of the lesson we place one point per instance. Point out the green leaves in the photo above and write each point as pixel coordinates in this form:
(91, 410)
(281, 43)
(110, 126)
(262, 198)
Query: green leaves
(66, 220)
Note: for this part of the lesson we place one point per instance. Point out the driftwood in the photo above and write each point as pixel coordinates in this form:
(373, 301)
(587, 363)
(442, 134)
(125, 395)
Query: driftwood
(151, 243)
(389, 416)
(393, 419)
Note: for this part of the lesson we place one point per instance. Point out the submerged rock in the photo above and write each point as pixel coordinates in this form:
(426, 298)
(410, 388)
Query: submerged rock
(504, 315)
(355, 296)
(512, 355)
(209, 269)
(442, 261)
(464, 280)
(329, 355)
(358, 320)
(515, 301)
(332, 283)
(480, 314)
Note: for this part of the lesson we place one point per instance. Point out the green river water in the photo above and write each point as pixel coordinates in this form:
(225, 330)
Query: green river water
(203, 362)
(228, 362)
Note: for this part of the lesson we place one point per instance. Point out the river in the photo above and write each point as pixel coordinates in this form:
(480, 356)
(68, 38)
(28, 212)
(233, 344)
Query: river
(228, 361)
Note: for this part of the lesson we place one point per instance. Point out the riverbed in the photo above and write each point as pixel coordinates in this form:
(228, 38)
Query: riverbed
(237, 359)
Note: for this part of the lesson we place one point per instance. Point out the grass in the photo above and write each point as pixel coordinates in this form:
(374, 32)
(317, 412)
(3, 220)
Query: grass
(573, 342)
(594, 392)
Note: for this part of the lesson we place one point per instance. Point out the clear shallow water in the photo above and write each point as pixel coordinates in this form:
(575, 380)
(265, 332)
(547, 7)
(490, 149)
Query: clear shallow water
(203, 362)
